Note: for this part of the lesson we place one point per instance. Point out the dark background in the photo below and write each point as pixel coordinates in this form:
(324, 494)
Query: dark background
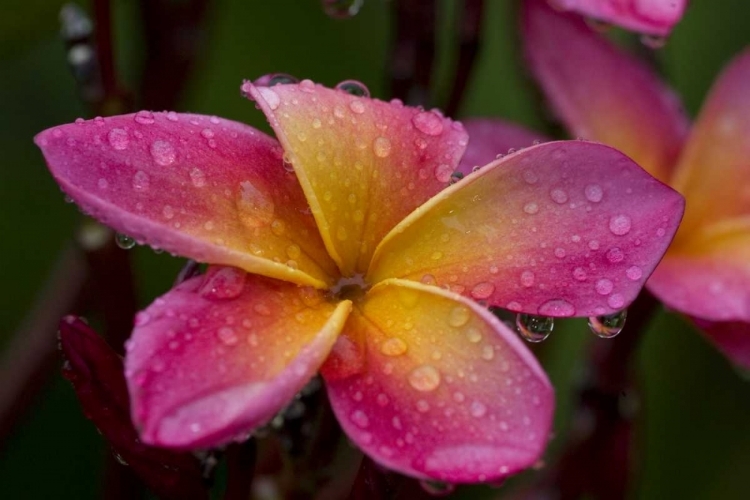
(693, 429)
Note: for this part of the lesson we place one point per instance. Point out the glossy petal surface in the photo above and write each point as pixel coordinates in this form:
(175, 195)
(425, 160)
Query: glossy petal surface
(490, 137)
(653, 17)
(448, 392)
(203, 187)
(714, 170)
(714, 285)
(565, 228)
(222, 353)
(602, 93)
(364, 164)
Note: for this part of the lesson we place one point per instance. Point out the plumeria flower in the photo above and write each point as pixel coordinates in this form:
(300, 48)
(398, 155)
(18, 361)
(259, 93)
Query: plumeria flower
(650, 17)
(341, 248)
(604, 94)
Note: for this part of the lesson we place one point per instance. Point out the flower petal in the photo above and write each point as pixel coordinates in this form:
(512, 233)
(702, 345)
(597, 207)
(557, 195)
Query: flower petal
(653, 17)
(602, 93)
(714, 170)
(732, 338)
(448, 393)
(712, 286)
(364, 164)
(207, 188)
(565, 228)
(489, 138)
(220, 354)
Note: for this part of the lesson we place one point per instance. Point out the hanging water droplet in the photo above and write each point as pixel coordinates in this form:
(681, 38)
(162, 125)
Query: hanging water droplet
(608, 326)
(124, 241)
(534, 328)
(354, 87)
(437, 488)
(342, 9)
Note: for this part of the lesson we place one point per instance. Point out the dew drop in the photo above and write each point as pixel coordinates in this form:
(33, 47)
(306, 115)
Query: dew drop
(473, 335)
(459, 316)
(141, 181)
(558, 196)
(255, 209)
(653, 42)
(616, 301)
(222, 283)
(579, 274)
(477, 409)
(228, 336)
(145, 117)
(357, 106)
(118, 138)
(124, 241)
(278, 79)
(360, 419)
(482, 290)
(197, 177)
(163, 153)
(534, 328)
(394, 346)
(382, 148)
(531, 208)
(455, 177)
(604, 286)
(558, 308)
(424, 378)
(594, 193)
(354, 87)
(527, 279)
(620, 225)
(428, 123)
(443, 173)
(615, 255)
(608, 326)
(634, 273)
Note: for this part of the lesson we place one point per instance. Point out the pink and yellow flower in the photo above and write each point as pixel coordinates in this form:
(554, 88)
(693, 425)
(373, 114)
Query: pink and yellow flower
(341, 248)
(604, 94)
(651, 17)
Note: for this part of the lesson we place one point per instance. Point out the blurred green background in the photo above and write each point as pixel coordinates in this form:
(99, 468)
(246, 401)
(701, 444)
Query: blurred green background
(694, 426)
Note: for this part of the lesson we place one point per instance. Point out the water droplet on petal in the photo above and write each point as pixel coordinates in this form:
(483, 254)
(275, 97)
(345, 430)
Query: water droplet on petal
(634, 273)
(428, 123)
(278, 79)
(394, 346)
(222, 283)
(594, 193)
(558, 196)
(197, 177)
(477, 409)
(455, 177)
(382, 148)
(228, 336)
(354, 87)
(608, 326)
(557, 308)
(615, 255)
(604, 286)
(124, 241)
(255, 209)
(360, 418)
(424, 378)
(118, 138)
(459, 316)
(616, 301)
(619, 225)
(534, 328)
(482, 290)
(653, 42)
(531, 208)
(527, 279)
(163, 153)
(145, 117)
(141, 181)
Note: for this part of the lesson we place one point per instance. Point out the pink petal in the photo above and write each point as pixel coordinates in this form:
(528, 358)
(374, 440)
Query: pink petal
(600, 92)
(713, 287)
(489, 138)
(731, 338)
(448, 392)
(567, 228)
(353, 154)
(653, 17)
(221, 354)
(203, 187)
(714, 171)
